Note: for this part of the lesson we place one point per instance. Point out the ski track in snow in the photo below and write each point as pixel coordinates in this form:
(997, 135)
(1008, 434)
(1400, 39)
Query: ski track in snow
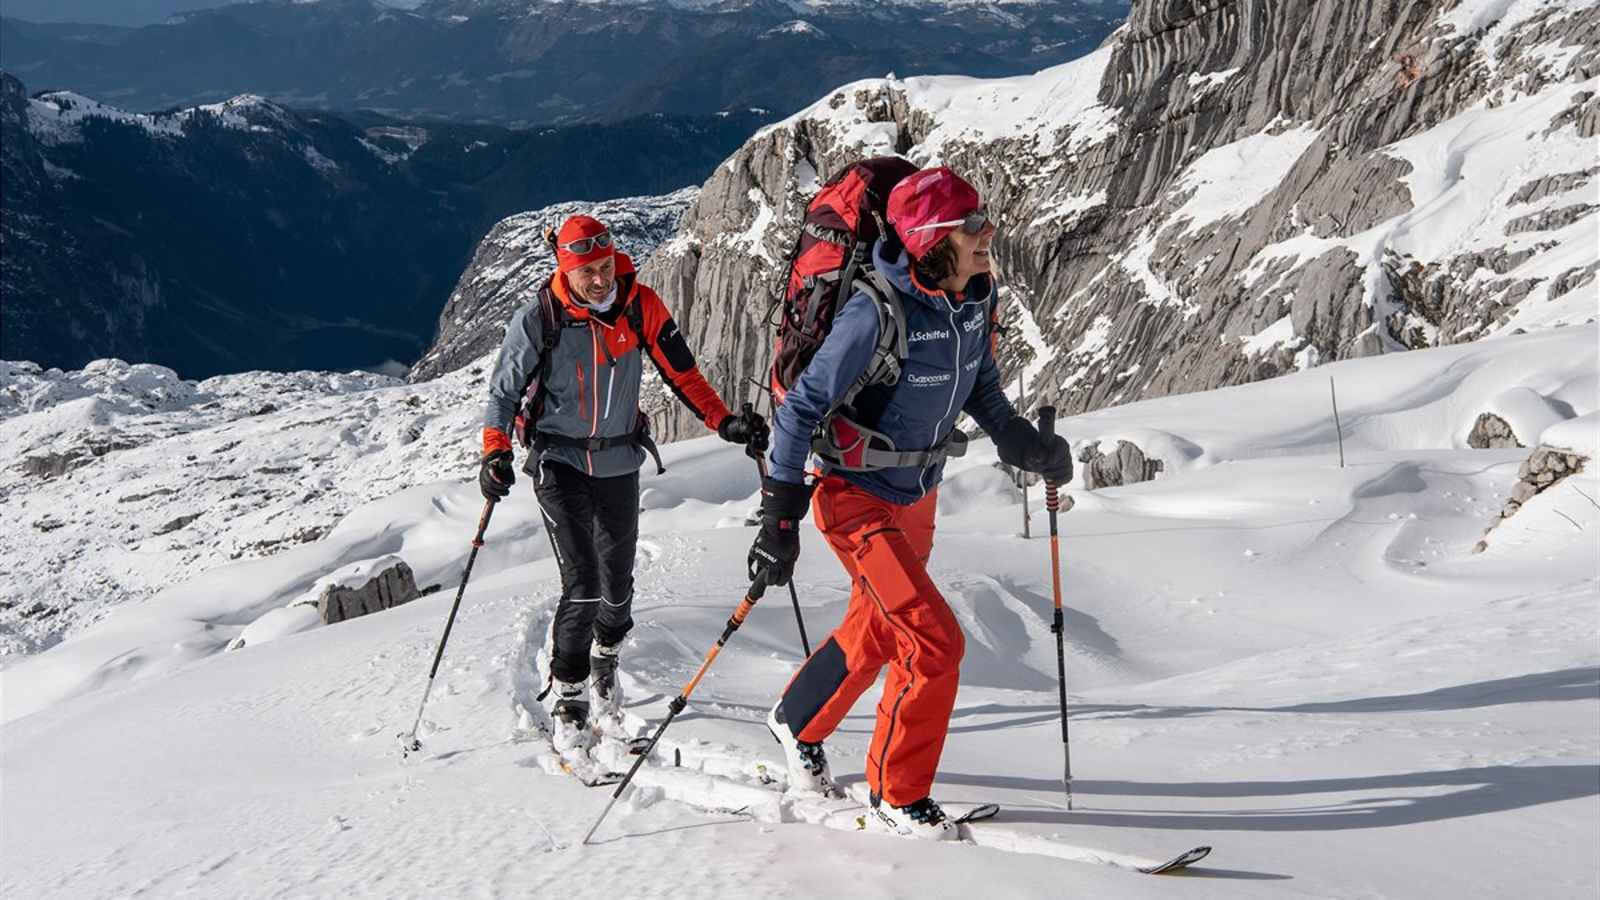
(1301, 665)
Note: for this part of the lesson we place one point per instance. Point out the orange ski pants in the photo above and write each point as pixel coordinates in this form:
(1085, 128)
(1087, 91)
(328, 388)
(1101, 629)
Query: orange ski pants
(896, 617)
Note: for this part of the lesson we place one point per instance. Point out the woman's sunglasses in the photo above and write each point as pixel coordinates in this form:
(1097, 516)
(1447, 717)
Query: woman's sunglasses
(972, 223)
(583, 246)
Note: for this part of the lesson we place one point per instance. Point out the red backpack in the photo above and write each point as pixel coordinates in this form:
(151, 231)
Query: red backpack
(832, 257)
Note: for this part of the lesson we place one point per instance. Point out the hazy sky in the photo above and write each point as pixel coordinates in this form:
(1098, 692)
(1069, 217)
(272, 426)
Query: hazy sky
(114, 12)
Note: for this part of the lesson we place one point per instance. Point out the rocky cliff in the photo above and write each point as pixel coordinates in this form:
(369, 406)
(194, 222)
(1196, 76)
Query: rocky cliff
(1225, 191)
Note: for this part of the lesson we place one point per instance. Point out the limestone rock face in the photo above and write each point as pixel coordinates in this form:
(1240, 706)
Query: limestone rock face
(392, 587)
(1225, 191)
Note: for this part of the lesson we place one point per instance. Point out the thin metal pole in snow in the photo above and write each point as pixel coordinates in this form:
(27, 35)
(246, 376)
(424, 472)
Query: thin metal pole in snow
(1336, 424)
(1022, 477)
(408, 740)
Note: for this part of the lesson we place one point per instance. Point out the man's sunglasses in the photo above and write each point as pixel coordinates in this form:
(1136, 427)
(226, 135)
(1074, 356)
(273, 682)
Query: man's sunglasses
(972, 223)
(583, 246)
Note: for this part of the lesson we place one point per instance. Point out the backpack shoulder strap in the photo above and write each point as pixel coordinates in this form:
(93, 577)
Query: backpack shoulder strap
(634, 313)
(890, 352)
(551, 317)
(892, 347)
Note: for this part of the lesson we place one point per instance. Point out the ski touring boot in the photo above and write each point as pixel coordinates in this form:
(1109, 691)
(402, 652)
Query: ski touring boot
(603, 669)
(569, 715)
(923, 820)
(807, 763)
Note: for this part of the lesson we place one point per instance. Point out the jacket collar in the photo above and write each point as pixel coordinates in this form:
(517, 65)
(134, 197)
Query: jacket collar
(898, 271)
(627, 287)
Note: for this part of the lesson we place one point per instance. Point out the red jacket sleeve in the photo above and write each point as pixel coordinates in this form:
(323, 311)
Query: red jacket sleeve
(672, 356)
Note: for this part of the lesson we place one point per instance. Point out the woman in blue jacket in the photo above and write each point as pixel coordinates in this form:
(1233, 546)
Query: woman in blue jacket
(877, 511)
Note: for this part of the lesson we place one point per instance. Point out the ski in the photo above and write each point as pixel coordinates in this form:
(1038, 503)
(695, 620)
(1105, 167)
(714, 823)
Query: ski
(1181, 861)
(978, 813)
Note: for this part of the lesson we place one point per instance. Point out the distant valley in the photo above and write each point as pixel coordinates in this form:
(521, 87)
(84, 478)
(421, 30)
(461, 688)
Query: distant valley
(247, 235)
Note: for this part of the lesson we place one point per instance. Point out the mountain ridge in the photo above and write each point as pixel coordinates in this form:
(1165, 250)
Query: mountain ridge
(246, 235)
(545, 63)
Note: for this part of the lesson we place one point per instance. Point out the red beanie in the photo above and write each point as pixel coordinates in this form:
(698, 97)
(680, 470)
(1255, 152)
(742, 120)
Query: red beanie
(932, 195)
(576, 229)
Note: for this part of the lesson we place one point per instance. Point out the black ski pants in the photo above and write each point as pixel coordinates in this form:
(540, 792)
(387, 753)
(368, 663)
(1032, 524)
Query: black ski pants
(593, 525)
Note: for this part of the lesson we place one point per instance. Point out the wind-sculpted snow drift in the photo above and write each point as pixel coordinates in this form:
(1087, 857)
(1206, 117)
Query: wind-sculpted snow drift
(1300, 663)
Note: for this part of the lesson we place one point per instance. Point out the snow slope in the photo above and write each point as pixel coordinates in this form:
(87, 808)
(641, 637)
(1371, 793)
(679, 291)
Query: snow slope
(1298, 663)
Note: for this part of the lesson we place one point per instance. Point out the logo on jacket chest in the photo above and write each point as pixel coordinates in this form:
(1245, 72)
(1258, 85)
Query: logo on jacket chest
(931, 334)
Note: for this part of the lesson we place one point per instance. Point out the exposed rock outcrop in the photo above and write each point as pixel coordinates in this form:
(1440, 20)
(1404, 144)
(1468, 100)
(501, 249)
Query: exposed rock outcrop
(1227, 190)
(387, 589)
(1491, 432)
(1127, 464)
(1544, 468)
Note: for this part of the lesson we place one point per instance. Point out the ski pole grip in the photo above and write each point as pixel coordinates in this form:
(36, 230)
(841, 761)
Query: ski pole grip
(1047, 430)
(1047, 421)
(758, 587)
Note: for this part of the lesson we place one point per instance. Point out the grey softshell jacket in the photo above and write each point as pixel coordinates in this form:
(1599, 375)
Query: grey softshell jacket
(595, 373)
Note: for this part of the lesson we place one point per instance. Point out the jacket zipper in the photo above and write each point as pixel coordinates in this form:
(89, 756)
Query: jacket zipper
(955, 387)
(594, 428)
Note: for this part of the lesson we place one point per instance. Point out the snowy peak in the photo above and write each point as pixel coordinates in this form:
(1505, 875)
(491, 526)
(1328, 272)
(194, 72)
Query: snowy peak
(796, 27)
(58, 116)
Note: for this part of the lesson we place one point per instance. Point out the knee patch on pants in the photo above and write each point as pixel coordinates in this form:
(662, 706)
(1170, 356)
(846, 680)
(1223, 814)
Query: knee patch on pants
(814, 685)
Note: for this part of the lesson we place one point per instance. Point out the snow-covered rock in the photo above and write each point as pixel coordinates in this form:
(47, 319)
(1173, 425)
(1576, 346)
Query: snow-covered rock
(1125, 463)
(366, 587)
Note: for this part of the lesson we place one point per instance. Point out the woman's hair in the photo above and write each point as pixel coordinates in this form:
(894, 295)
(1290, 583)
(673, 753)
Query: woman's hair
(937, 264)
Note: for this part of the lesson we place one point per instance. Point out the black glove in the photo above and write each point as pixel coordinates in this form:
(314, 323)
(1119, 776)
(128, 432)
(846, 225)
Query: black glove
(747, 427)
(776, 548)
(1022, 446)
(495, 476)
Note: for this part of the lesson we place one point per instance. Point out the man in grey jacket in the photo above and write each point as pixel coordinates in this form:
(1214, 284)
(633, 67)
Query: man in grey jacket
(568, 376)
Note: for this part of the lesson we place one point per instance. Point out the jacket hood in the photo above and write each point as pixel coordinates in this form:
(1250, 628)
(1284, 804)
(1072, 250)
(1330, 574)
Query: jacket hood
(898, 271)
(627, 287)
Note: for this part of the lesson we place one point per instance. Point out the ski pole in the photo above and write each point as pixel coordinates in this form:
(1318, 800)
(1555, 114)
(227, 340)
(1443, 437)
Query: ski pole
(408, 740)
(794, 595)
(1052, 503)
(757, 588)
